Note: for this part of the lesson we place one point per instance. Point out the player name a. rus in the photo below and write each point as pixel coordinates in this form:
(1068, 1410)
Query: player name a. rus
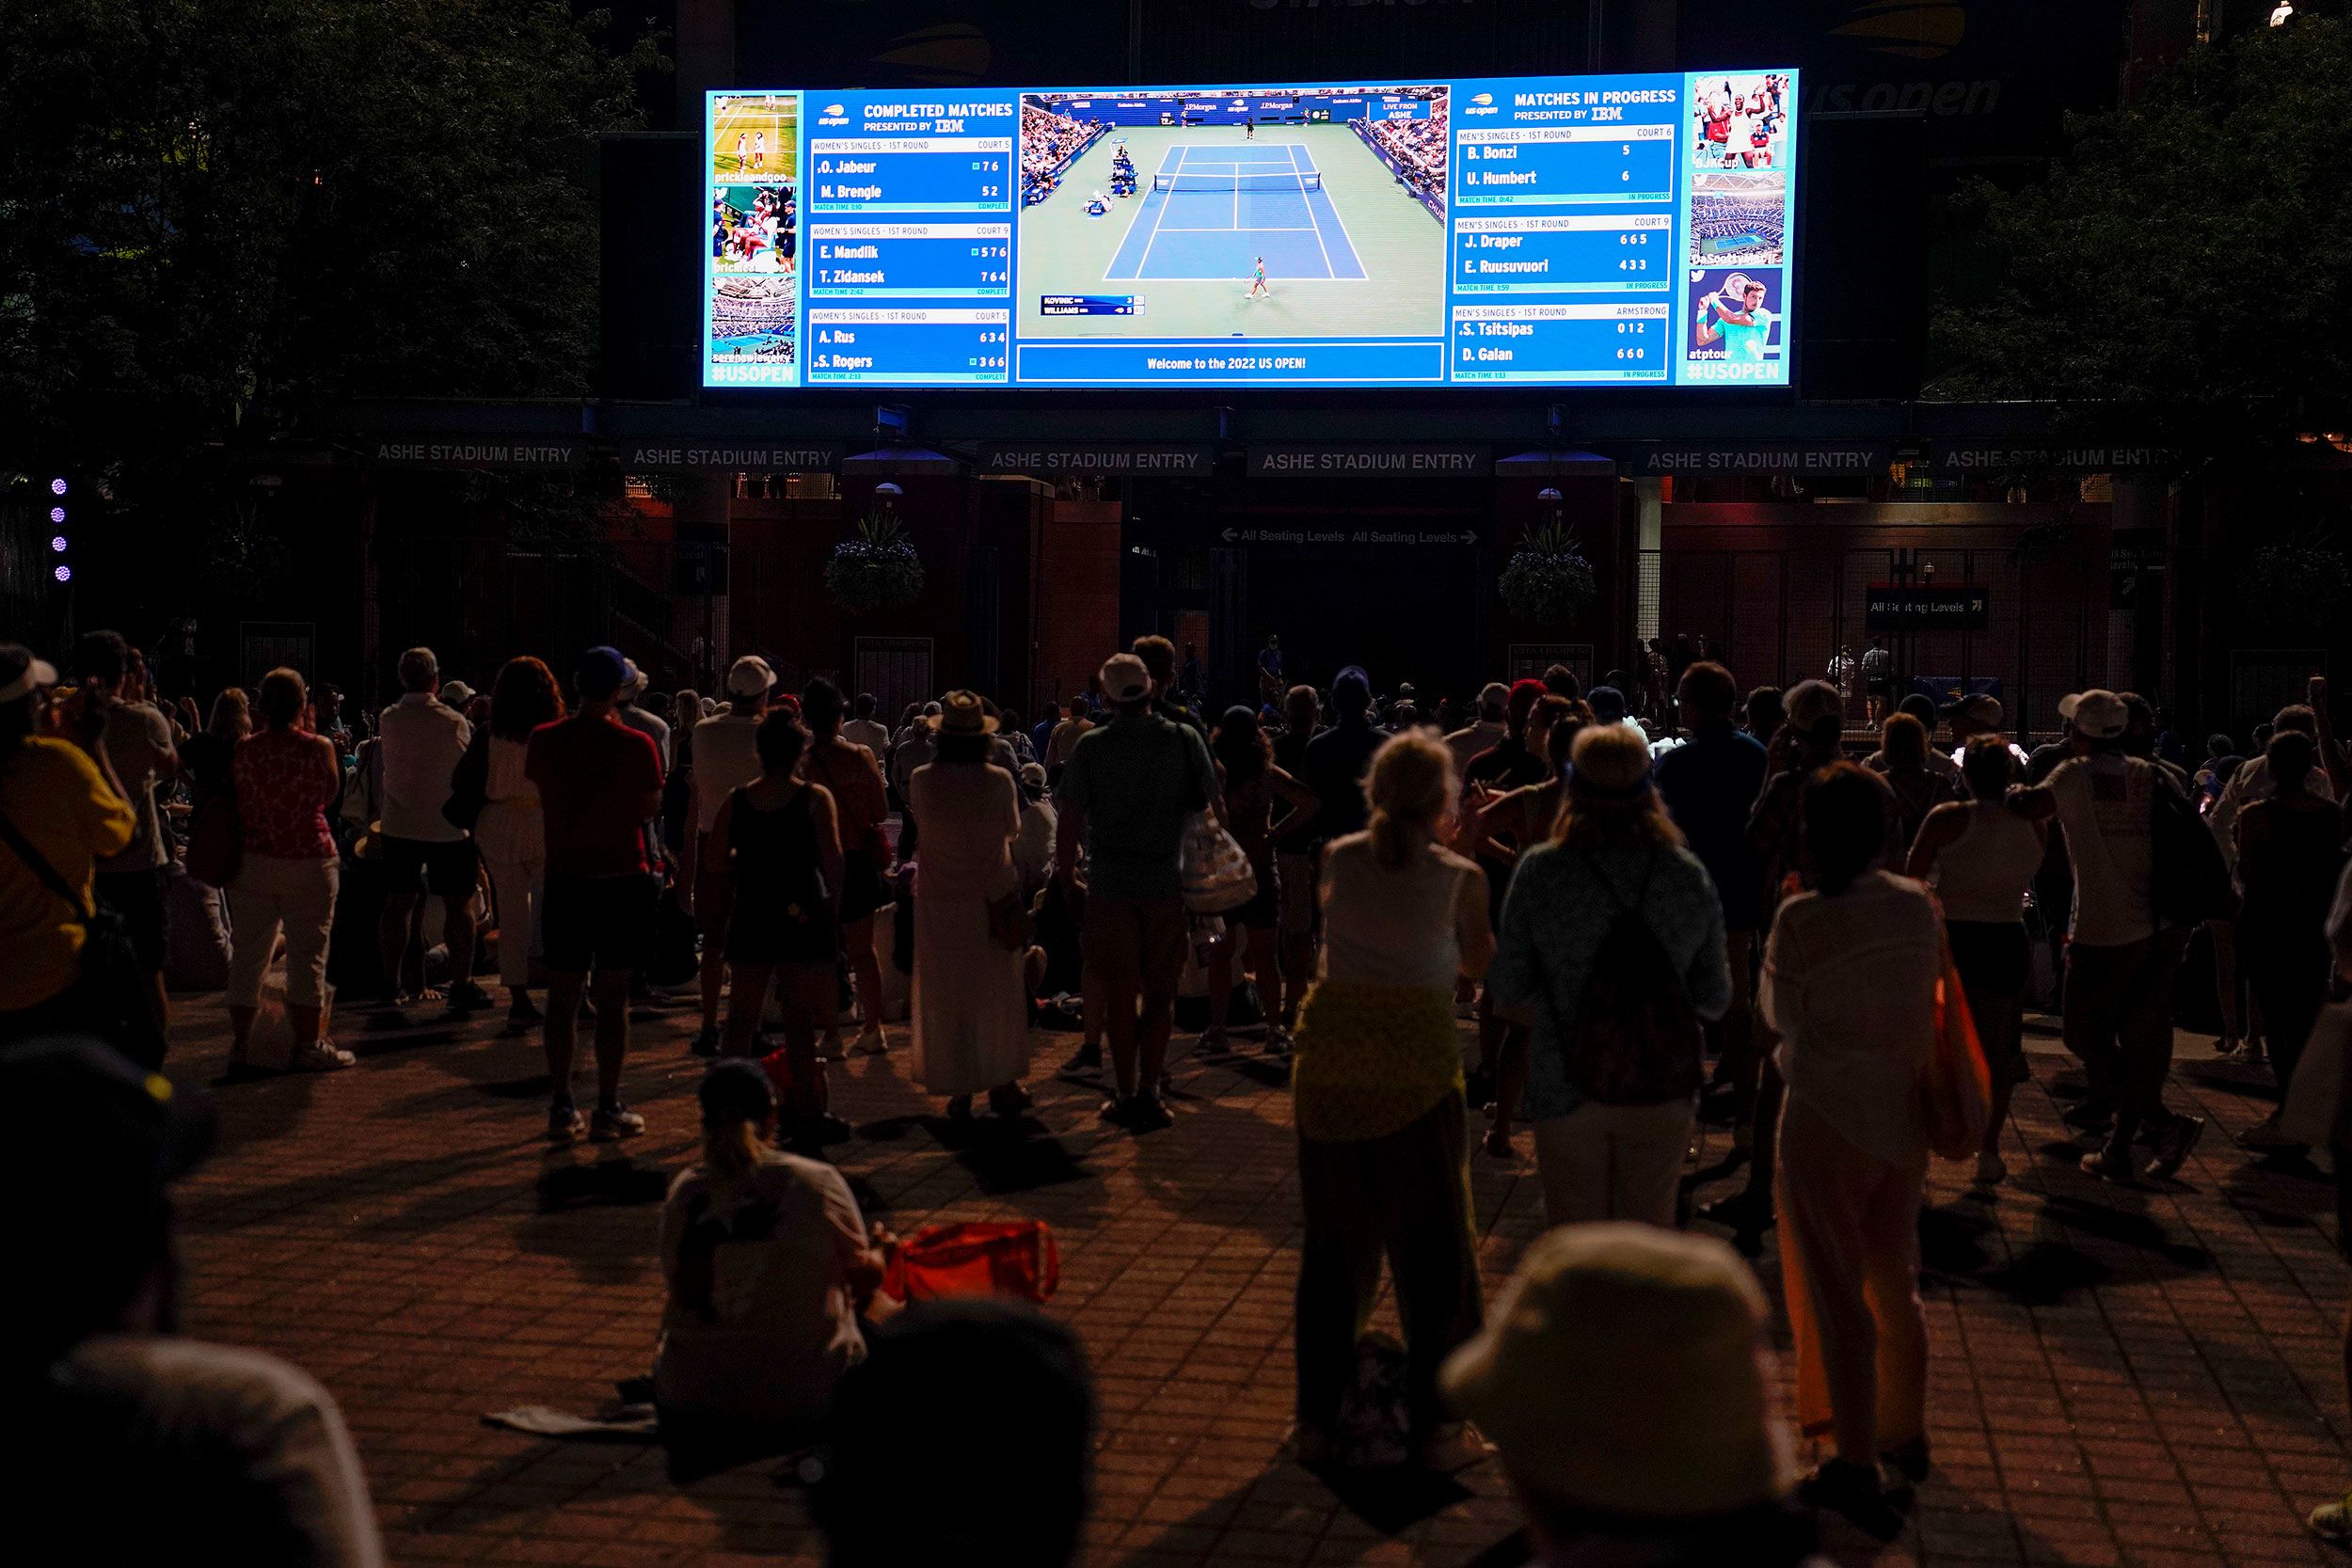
(1573, 253)
(910, 261)
(1554, 342)
(1566, 165)
(914, 347)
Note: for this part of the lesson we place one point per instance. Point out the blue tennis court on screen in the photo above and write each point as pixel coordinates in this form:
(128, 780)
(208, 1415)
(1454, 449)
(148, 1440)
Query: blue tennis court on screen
(1212, 212)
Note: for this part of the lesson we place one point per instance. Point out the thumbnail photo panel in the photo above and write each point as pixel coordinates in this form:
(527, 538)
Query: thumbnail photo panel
(1733, 328)
(1264, 213)
(1739, 121)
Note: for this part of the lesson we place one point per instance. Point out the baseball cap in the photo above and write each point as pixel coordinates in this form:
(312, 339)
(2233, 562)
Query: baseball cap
(1810, 702)
(455, 693)
(20, 672)
(750, 677)
(736, 1089)
(1983, 708)
(602, 672)
(2097, 713)
(1033, 777)
(1124, 678)
(1622, 1371)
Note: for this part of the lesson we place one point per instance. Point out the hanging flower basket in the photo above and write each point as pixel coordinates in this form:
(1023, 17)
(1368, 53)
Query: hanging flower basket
(1548, 579)
(875, 570)
(2299, 585)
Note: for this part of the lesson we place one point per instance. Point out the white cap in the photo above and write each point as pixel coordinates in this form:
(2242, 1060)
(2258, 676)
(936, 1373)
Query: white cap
(2096, 713)
(750, 677)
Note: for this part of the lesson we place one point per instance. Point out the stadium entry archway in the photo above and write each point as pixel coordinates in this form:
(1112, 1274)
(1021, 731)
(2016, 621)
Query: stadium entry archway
(1393, 575)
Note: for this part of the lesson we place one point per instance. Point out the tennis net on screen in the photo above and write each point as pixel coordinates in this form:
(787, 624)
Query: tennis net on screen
(1282, 180)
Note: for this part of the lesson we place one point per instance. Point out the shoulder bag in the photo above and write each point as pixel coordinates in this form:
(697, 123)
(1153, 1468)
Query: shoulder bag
(114, 988)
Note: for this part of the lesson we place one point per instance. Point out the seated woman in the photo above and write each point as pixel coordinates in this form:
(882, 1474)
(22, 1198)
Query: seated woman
(768, 1266)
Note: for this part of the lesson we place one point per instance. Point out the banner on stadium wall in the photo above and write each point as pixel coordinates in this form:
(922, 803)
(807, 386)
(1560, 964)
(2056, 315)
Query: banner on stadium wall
(446, 451)
(1365, 460)
(1005, 457)
(1712, 458)
(734, 457)
(1996, 455)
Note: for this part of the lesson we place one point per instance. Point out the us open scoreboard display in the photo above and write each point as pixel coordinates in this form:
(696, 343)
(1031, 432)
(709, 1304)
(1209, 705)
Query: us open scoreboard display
(1549, 231)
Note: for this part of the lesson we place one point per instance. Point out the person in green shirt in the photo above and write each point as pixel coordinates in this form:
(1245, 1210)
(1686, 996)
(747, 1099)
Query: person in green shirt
(1742, 332)
(1126, 792)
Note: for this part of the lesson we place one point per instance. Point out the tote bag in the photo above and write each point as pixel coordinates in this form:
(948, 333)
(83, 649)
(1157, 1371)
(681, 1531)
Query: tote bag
(1955, 1081)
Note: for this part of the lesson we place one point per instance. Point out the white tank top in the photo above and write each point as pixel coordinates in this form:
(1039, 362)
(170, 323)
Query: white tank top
(1395, 928)
(1982, 876)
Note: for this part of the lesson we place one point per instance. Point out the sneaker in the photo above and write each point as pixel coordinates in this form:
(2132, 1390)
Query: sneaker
(2173, 1145)
(565, 1122)
(468, 996)
(1990, 1169)
(1008, 1100)
(705, 1042)
(321, 1056)
(830, 1049)
(2108, 1166)
(1449, 1446)
(1089, 1060)
(871, 1042)
(1149, 1114)
(1852, 1490)
(611, 1123)
(2329, 1521)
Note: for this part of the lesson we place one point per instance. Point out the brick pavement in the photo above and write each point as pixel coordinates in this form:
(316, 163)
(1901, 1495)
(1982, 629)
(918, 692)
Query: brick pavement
(2145, 1377)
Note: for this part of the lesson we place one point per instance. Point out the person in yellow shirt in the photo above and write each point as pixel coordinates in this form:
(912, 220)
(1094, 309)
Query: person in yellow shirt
(70, 813)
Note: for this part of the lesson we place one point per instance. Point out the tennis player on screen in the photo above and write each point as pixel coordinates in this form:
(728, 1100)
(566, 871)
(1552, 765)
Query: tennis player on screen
(1737, 319)
(1257, 285)
(759, 149)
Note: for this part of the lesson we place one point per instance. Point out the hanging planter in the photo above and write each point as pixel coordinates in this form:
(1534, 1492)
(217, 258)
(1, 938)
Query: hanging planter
(1548, 579)
(876, 569)
(2298, 585)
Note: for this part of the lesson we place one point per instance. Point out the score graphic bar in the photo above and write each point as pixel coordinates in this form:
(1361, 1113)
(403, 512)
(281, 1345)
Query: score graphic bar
(1568, 165)
(1562, 342)
(910, 261)
(910, 174)
(915, 348)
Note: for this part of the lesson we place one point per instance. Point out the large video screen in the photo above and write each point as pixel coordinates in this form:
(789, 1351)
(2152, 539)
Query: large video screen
(1546, 230)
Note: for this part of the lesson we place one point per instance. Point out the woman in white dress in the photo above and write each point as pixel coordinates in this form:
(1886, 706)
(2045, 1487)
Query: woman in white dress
(510, 832)
(971, 1020)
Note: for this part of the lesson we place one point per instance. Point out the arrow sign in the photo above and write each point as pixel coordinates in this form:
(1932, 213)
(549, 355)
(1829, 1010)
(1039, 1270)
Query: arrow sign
(1230, 535)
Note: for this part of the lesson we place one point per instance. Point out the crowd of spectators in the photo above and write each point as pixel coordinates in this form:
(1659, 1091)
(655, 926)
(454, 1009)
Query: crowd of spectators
(1048, 142)
(1418, 148)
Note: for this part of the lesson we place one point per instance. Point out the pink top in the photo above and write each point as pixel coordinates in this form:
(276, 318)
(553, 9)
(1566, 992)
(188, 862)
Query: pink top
(285, 781)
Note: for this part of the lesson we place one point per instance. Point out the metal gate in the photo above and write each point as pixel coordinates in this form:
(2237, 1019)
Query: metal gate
(896, 670)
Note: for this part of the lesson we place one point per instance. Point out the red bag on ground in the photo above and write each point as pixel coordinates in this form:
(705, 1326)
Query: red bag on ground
(779, 1075)
(1015, 1258)
(1955, 1081)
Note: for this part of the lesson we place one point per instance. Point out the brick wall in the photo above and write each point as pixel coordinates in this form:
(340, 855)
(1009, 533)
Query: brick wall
(1077, 602)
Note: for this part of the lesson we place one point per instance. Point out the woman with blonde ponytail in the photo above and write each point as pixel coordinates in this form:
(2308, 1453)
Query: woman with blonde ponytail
(769, 1268)
(1378, 1100)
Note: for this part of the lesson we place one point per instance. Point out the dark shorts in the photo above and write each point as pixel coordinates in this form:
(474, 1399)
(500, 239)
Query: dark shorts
(137, 896)
(1134, 943)
(1264, 912)
(447, 869)
(600, 923)
(862, 889)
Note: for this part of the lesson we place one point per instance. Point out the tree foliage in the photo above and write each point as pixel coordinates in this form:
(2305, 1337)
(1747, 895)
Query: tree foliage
(2184, 271)
(218, 213)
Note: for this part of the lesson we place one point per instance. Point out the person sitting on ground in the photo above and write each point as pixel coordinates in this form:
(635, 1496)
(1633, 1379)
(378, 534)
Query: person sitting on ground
(148, 1441)
(1656, 1340)
(898, 1492)
(767, 1267)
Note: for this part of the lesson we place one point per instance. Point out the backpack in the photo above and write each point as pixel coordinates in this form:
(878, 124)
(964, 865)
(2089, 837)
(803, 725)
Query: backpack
(1637, 1038)
(2191, 878)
